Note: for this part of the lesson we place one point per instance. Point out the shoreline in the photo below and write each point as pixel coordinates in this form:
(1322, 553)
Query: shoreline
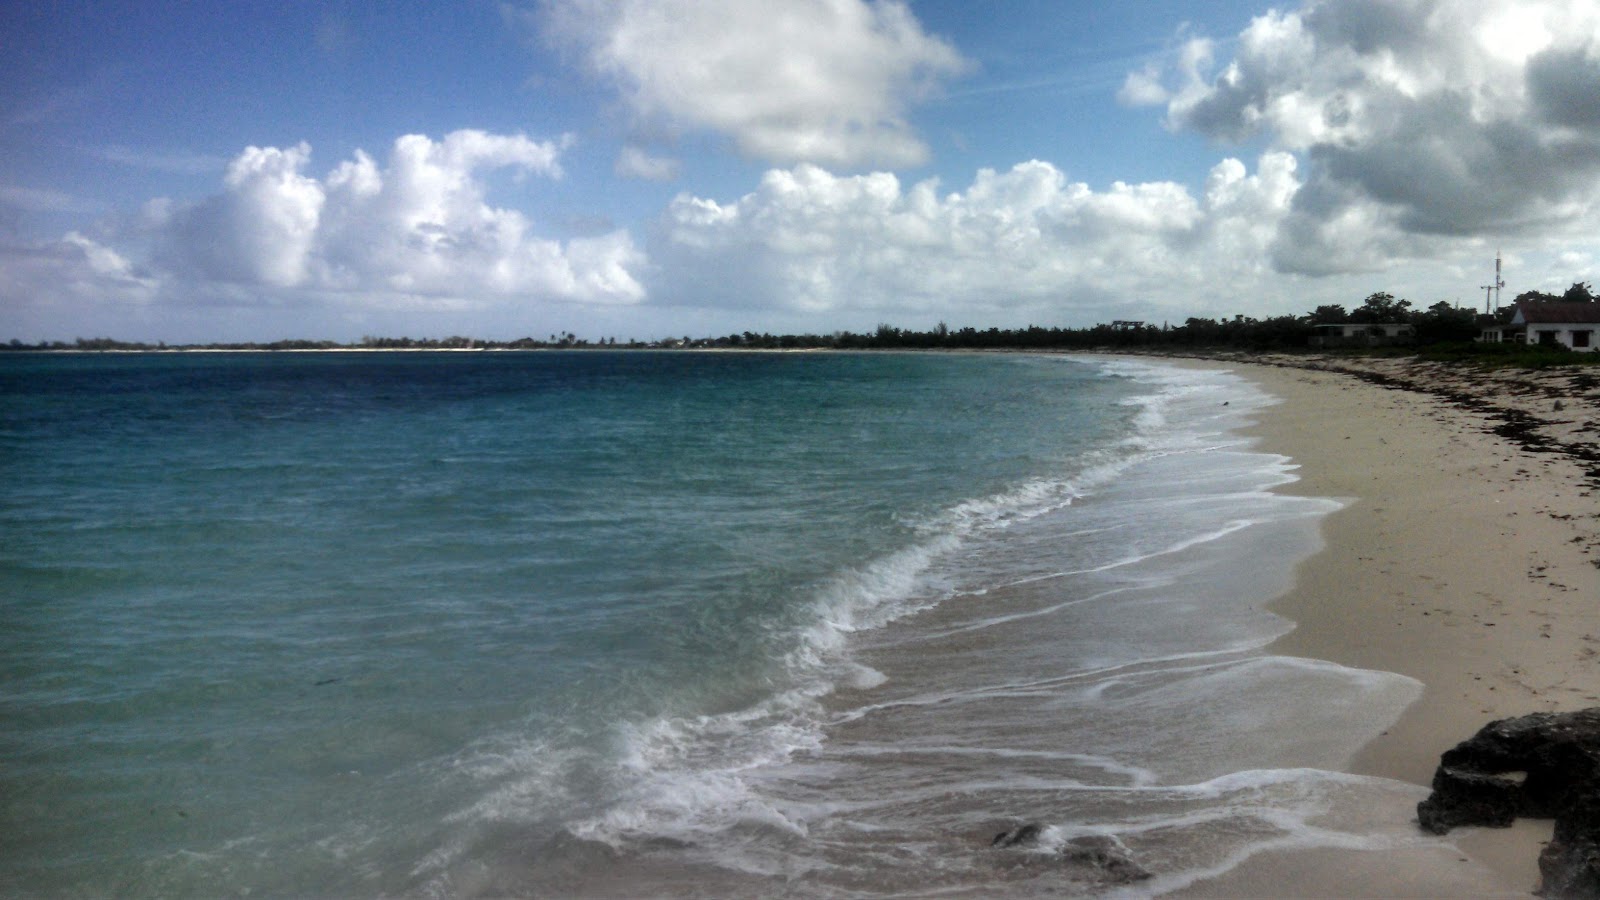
(1467, 557)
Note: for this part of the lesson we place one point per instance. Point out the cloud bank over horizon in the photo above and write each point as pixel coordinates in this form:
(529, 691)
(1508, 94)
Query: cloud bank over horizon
(807, 240)
(1358, 145)
(416, 232)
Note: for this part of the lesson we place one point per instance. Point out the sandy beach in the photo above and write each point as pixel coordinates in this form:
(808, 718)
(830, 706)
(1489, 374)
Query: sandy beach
(1467, 557)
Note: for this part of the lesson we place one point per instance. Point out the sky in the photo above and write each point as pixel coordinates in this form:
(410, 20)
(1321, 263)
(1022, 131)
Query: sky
(638, 169)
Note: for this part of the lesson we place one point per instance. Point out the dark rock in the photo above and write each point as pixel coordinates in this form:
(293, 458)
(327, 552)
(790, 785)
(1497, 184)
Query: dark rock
(1570, 864)
(1020, 836)
(1529, 766)
(1545, 765)
(1106, 854)
(1470, 798)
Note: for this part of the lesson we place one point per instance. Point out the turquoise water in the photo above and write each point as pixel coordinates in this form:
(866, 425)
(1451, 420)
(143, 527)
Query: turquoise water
(480, 623)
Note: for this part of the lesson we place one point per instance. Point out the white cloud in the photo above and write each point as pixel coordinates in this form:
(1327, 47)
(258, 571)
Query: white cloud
(262, 227)
(1143, 87)
(102, 261)
(416, 233)
(160, 161)
(633, 162)
(419, 226)
(62, 280)
(1418, 120)
(1024, 239)
(825, 81)
(1576, 260)
(47, 201)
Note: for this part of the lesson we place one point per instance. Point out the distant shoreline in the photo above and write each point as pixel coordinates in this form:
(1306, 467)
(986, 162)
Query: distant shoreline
(1280, 333)
(76, 351)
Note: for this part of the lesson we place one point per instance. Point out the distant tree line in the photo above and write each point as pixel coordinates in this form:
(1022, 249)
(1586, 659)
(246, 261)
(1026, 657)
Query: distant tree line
(1440, 323)
(1580, 292)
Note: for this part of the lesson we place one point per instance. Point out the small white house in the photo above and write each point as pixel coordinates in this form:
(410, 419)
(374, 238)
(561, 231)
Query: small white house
(1369, 335)
(1575, 326)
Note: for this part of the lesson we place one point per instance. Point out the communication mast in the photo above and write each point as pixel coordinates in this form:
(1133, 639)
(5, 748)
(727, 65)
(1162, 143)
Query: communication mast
(1493, 287)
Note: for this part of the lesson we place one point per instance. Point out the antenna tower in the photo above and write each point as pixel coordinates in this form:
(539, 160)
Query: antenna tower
(1493, 287)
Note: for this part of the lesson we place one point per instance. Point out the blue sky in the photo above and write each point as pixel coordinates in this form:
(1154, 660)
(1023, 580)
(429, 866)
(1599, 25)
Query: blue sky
(643, 168)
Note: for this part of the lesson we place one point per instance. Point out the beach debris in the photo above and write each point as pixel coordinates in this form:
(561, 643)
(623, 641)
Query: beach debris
(1106, 854)
(1020, 836)
(1543, 765)
(1102, 857)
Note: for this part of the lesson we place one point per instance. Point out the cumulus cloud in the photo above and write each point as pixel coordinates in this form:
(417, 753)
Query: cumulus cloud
(416, 231)
(73, 279)
(1419, 119)
(809, 240)
(260, 229)
(421, 226)
(90, 269)
(823, 81)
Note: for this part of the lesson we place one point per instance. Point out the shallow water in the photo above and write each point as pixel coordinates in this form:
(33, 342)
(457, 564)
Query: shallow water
(463, 624)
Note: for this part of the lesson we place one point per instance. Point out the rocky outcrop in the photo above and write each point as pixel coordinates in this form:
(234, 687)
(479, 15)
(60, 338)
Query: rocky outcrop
(1570, 863)
(1545, 765)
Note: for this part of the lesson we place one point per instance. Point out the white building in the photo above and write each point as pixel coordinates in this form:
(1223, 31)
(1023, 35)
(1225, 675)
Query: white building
(1363, 335)
(1570, 325)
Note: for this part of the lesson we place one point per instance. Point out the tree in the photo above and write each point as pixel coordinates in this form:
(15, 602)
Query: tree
(1443, 322)
(1535, 297)
(1380, 308)
(1328, 314)
(1579, 293)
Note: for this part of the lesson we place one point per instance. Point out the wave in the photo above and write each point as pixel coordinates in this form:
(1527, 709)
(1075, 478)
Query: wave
(689, 775)
(752, 789)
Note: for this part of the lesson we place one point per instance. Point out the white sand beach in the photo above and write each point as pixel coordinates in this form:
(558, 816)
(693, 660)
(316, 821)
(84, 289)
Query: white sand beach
(1463, 559)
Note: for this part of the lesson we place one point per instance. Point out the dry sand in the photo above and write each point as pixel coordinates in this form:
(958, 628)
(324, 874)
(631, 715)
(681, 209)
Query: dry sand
(1463, 559)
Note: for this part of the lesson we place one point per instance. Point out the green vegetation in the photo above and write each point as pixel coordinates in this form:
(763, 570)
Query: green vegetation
(1505, 356)
(1441, 332)
(1580, 292)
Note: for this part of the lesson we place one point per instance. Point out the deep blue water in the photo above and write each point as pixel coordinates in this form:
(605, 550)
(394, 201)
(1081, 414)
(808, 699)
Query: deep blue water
(462, 623)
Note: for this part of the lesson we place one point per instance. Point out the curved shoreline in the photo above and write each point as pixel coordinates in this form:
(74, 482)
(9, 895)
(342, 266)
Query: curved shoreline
(1468, 558)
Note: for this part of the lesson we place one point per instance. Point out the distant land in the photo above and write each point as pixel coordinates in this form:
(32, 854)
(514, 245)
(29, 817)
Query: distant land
(1440, 324)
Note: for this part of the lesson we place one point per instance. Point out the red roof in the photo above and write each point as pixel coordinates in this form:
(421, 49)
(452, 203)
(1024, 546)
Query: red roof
(1559, 313)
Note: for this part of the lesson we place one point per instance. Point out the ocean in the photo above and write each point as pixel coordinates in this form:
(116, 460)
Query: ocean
(601, 623)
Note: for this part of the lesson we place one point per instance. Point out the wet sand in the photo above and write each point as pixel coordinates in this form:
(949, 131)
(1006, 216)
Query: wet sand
(1465, 558)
